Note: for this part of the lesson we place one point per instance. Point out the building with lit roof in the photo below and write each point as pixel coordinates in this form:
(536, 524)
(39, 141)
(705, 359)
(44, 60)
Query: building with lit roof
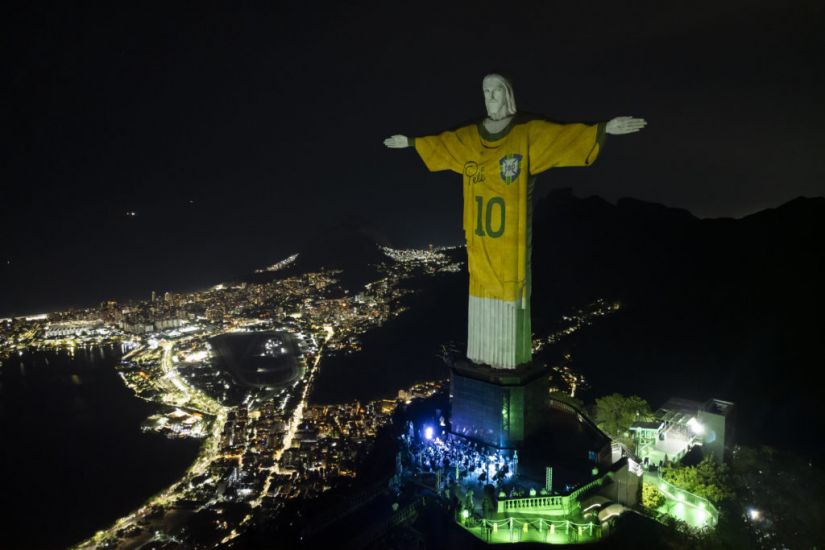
(681, 424)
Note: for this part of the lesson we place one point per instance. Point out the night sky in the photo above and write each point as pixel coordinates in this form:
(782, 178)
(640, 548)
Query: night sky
(235, 133)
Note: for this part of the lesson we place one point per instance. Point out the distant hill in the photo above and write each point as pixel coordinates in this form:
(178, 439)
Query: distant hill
(351, 246)
(589, 246)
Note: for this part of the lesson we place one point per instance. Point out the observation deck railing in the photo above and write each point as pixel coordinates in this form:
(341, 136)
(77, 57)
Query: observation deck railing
(511, 530)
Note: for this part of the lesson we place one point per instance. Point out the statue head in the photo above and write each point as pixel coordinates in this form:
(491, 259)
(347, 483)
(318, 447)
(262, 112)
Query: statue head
(498, 96)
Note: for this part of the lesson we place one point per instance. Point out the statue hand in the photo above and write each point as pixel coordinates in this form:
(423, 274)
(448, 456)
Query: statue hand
(625, 125)
(397, 142)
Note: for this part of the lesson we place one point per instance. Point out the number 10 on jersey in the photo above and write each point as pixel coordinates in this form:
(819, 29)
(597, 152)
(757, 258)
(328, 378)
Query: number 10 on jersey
(489, 218)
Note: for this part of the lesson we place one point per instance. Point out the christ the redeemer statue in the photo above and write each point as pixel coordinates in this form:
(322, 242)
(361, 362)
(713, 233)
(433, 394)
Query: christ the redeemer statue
(499, 158)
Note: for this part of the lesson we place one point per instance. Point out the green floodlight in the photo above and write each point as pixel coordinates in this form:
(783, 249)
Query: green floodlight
(701, 517)
(465, 513)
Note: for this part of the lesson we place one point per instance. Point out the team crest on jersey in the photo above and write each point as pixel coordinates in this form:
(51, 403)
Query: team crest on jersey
(510, 168)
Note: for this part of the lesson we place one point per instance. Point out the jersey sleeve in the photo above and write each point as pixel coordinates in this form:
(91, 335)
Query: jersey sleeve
(446, 151)
(553, 145)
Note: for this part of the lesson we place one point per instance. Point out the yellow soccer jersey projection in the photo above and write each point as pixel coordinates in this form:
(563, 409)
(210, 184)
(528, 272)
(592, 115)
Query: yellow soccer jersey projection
(498, 170)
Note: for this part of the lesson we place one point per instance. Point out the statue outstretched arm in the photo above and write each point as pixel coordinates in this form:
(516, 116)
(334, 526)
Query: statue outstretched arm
(555, 145)
(625, 125)
(445, 151)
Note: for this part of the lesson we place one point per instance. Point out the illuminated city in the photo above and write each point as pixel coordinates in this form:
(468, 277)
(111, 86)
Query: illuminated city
(262, 446)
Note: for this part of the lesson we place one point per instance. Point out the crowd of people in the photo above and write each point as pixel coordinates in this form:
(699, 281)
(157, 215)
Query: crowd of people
(458, 458)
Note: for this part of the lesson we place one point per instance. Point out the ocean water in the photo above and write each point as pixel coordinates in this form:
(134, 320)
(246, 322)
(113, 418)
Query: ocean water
(72, 456)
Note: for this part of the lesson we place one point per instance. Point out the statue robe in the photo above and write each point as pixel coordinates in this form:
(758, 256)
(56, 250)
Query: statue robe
(499, 173)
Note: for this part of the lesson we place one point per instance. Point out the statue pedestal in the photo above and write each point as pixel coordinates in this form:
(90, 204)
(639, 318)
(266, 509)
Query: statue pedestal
(498, 407)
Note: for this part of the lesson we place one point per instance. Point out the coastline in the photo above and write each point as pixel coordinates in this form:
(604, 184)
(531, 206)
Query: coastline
(75, 456)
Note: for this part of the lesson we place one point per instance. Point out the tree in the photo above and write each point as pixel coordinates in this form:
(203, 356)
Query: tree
(652, 498)
(680, 535)
(747, 460)
(615, 413)
(708, 479)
